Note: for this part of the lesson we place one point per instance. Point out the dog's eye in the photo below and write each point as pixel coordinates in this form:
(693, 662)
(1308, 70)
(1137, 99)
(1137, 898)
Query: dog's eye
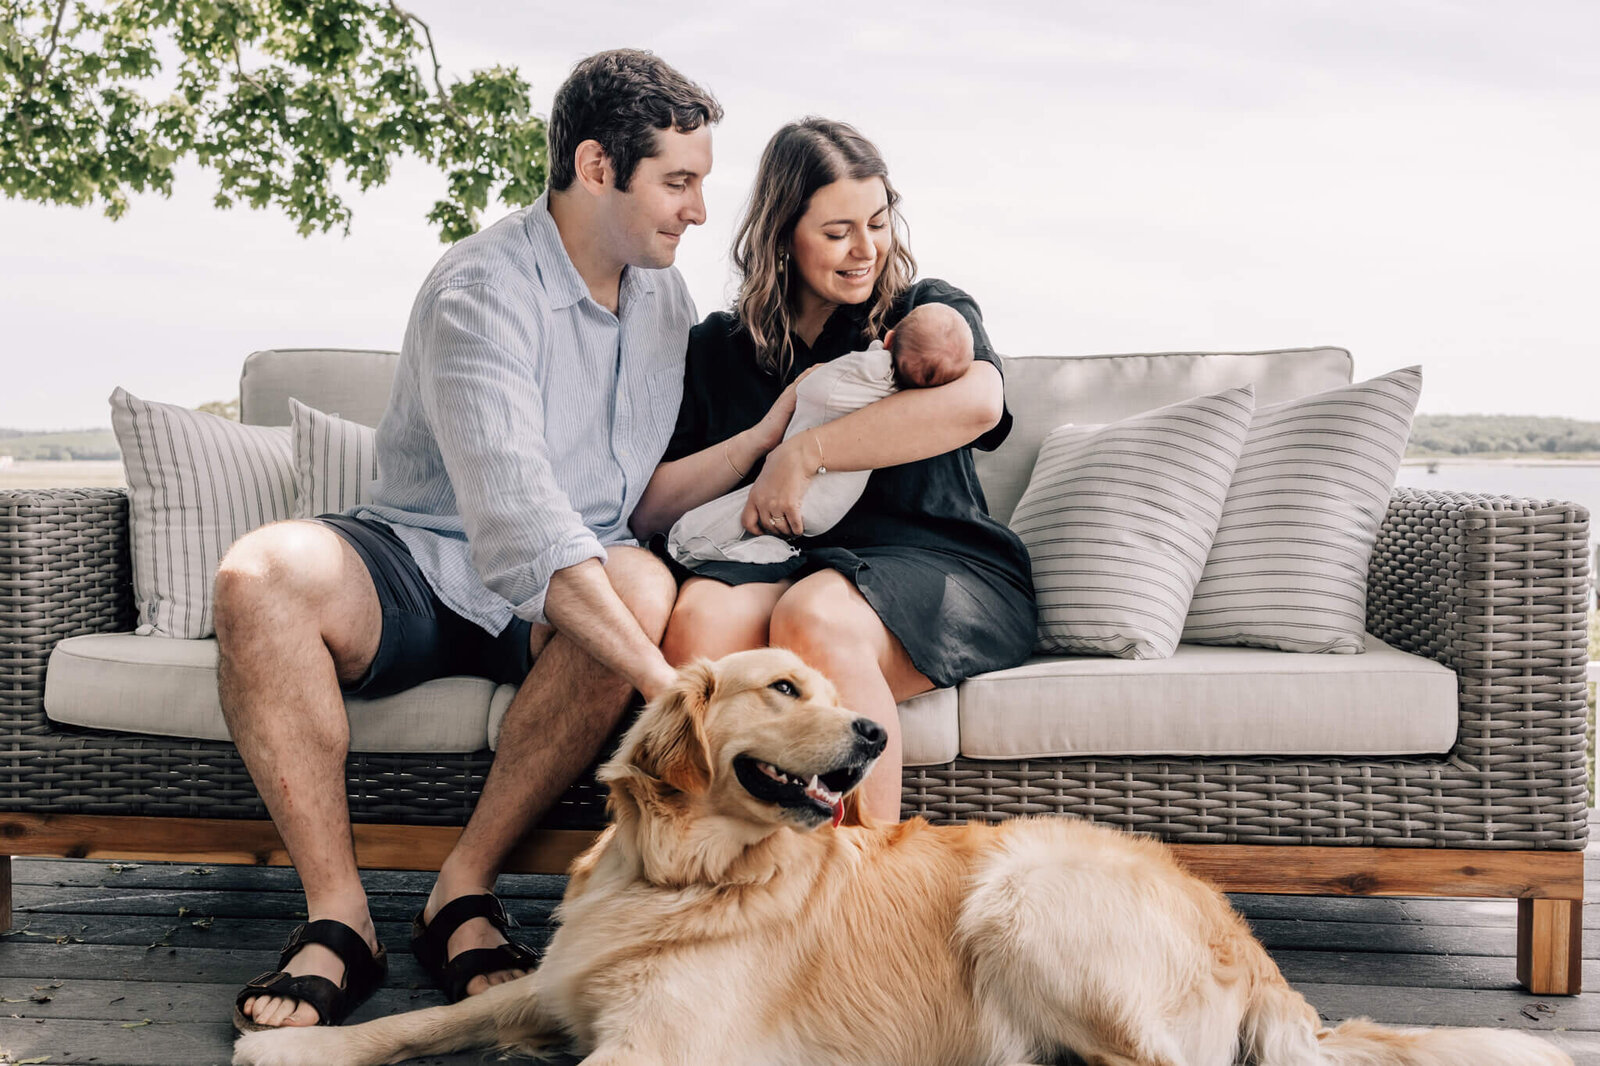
(786, 687)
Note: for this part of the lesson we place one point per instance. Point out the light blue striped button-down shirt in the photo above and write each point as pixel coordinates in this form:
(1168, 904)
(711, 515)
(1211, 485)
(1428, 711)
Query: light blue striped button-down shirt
(525, 419)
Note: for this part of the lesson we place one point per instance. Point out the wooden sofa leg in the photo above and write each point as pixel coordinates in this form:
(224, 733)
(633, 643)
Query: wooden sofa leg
(5, 893)
(1550, 946)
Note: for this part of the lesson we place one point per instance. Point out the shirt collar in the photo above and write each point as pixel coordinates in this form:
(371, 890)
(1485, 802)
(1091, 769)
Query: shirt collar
(562, 283)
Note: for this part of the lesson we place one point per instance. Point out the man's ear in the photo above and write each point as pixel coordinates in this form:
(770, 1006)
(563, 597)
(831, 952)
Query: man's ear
(672, 746)
(593, 167)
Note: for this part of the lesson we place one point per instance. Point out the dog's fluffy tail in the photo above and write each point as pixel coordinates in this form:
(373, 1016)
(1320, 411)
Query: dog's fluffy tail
(1280, 1030)
(1362, 1043)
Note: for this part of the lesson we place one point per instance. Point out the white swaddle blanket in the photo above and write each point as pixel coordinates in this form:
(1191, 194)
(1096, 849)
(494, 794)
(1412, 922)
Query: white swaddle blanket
(712, 533)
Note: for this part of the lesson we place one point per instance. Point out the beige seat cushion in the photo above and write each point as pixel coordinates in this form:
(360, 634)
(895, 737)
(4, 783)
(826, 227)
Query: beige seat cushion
(168, 687)
(1213, 701)
(927, 723)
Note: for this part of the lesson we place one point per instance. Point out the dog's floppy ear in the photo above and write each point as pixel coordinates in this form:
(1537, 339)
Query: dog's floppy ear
(671, 742)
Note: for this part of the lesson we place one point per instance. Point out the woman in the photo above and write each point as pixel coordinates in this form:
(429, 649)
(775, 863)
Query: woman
(917, 587)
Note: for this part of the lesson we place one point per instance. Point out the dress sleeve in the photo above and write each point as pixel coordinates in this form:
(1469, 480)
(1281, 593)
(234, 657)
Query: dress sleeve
(689, 435)
(932, 290)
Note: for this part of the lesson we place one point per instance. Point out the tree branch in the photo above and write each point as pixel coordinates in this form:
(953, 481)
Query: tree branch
(23, 124)
(438, 83)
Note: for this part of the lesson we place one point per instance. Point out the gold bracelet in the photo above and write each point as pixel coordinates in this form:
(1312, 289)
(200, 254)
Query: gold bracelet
(728, 456)
(822, 467)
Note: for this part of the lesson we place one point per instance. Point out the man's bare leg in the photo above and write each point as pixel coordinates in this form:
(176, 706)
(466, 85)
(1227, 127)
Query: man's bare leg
(552, 731)
(296, 612)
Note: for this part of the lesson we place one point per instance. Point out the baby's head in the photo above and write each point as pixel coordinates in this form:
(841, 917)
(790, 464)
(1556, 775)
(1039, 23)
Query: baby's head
(932, 345)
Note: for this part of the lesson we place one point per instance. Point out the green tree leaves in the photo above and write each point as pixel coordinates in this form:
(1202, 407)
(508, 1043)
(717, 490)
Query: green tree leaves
(285, 100)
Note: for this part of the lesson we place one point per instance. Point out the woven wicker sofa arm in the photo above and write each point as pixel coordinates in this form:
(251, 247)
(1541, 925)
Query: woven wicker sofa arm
(1497, 589)
(64, 570)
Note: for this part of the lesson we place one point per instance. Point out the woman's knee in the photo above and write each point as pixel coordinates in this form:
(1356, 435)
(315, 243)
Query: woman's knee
(711, 620)
(825, 621)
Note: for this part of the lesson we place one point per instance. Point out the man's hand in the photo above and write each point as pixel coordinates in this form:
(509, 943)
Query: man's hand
(662, 678)
(584, 606)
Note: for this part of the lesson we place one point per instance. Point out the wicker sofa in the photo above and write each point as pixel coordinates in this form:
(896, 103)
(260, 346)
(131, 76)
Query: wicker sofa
(1488, 594)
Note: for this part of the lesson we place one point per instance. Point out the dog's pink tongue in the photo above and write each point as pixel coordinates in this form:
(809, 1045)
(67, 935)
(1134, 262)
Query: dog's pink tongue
(838, 811)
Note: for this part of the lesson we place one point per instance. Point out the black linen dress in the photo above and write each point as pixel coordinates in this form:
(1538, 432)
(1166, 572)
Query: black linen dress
(950, 582)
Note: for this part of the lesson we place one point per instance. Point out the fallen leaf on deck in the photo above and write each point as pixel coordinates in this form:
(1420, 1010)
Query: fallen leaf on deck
(202, 871)
(118, 867)
(204, 923)
(140, 1024)
(182, 911)
(49, 987)
(33, 1061)
(40, 997)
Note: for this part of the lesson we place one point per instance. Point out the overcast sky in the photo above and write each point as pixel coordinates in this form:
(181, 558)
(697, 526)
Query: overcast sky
(1410, 179)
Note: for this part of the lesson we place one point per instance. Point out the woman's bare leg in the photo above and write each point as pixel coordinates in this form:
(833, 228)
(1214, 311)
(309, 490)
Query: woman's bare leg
(711, 619)
(829, 624)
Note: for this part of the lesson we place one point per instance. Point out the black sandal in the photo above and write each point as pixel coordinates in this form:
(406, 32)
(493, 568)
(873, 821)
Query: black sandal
(430, 944)
(364, 971)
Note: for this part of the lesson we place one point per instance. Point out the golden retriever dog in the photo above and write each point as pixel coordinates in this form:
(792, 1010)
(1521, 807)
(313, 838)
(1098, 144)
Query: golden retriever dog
(726, 917)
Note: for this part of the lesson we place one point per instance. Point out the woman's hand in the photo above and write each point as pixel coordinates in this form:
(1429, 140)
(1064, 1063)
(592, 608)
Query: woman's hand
(768, 432)
(774, 502)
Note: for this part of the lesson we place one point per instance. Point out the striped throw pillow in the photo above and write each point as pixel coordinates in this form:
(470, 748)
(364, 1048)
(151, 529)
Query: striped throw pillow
(196, 483)
(1117, 520)
(335, 461)
(1288, 569)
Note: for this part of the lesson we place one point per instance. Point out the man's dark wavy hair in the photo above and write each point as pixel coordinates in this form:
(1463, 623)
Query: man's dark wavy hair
(620, 98)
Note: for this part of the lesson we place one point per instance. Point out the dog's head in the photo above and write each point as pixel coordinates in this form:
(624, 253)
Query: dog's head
(758, 734)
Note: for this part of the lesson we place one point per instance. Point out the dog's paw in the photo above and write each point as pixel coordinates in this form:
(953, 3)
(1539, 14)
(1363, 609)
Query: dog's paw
(289, 1046)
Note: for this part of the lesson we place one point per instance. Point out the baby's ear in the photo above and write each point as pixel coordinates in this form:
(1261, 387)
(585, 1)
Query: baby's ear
(888, 340)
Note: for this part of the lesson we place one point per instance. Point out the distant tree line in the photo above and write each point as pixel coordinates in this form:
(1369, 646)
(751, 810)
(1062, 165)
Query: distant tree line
(1517, 434)
(75, 444)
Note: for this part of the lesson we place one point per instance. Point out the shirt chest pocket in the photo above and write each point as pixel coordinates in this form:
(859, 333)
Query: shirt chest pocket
(656, 410)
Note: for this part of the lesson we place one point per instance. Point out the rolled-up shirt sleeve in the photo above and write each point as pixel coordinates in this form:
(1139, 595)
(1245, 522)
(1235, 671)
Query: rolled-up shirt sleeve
(479, 385)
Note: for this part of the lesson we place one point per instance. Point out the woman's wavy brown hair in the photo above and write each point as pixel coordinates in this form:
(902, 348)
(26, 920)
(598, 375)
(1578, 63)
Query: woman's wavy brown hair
(801, 158)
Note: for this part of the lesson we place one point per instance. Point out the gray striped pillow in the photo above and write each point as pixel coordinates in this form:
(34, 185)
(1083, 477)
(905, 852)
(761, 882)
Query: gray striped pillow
(196, 483)
(335, 461)
(1288, 568)
(1117, 520)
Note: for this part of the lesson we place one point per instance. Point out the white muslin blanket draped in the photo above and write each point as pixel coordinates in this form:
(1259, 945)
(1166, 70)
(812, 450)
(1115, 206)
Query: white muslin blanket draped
(712, 533)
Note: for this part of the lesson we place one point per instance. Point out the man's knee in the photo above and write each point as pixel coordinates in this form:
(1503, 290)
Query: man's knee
(295, 571)
(645, 586)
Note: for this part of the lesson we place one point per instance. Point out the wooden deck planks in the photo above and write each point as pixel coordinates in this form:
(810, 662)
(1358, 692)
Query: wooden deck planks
(110, 946)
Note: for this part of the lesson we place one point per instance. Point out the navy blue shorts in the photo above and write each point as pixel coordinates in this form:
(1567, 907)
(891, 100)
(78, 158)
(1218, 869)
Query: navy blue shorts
(422, 638)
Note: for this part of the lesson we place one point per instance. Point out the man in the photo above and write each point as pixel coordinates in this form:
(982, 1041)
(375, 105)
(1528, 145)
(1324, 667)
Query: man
(538, 383)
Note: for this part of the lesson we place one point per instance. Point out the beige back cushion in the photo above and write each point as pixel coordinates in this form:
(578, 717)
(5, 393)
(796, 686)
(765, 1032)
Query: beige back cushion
(1044, 392)
(348, 382)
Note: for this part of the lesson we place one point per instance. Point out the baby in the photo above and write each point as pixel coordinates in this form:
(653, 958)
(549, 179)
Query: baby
(931, 346)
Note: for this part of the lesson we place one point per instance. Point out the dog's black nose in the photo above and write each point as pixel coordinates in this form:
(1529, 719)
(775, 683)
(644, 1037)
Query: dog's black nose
(871, 734)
